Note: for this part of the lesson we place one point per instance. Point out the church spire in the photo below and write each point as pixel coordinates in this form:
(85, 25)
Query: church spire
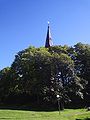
(48, 38)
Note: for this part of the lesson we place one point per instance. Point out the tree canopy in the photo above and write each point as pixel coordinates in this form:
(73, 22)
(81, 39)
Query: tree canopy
(43, 73)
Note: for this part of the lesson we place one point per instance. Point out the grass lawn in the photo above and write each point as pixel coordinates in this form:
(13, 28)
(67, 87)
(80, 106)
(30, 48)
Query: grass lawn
(68, 114)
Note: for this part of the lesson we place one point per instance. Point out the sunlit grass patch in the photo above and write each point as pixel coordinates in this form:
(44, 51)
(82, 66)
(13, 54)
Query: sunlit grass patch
(67, 114)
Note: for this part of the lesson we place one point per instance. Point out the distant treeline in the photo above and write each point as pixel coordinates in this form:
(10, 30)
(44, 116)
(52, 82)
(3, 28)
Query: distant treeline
(38, 75)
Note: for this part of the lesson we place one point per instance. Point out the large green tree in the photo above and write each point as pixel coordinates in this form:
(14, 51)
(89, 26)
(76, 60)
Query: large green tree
(4, 83)
(44, 73)
(82, 63)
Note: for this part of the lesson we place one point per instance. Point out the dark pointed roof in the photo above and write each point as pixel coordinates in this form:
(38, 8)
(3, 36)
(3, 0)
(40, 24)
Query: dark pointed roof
(48, 38)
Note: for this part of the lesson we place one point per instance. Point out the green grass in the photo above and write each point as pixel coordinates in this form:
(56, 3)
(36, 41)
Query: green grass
(68, 114)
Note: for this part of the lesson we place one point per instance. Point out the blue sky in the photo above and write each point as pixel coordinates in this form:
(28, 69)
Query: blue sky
(24, 23)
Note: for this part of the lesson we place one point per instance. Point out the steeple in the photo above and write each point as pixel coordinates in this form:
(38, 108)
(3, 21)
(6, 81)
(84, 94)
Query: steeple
(48, 38)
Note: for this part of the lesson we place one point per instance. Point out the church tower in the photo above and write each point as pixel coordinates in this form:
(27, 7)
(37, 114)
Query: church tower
(48, 38)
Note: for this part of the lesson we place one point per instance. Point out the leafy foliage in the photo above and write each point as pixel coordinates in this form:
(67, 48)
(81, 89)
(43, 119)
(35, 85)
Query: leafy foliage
(43, 73)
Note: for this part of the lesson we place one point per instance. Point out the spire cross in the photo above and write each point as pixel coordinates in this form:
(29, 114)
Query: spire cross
(48, 23)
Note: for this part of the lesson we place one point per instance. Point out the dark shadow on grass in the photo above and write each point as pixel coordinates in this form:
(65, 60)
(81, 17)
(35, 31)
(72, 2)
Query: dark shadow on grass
(37, 108)
(83, 119)
(5, 118)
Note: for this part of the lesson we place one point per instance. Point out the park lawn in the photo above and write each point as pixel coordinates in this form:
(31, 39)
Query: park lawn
(68, 114)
